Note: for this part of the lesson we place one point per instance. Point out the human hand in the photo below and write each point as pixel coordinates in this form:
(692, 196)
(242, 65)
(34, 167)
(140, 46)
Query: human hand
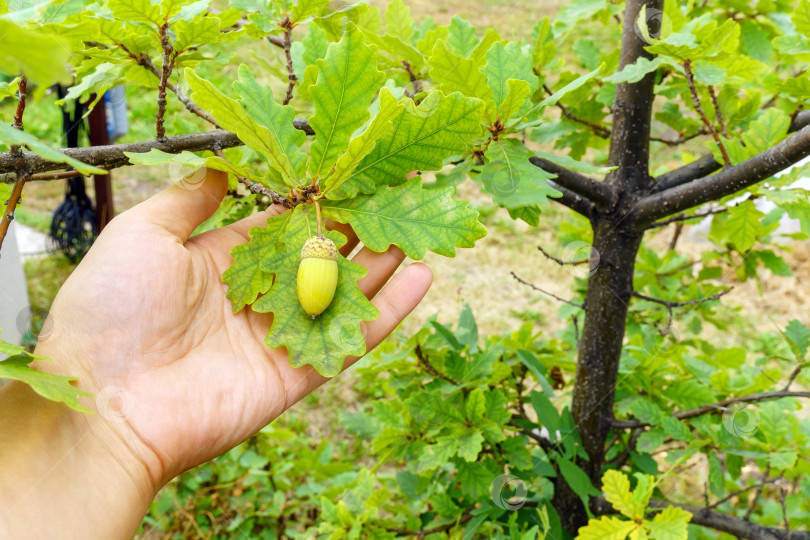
(145, 324)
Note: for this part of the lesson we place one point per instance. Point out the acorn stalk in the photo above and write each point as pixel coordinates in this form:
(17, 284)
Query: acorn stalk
(317, 275)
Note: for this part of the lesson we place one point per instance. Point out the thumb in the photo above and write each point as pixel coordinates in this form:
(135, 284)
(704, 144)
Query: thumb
(180, 208)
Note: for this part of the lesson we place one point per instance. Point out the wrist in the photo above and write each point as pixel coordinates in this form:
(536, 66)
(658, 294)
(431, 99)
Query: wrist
(66, 470)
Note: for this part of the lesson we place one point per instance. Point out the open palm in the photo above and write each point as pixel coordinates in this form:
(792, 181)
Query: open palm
(145, 323)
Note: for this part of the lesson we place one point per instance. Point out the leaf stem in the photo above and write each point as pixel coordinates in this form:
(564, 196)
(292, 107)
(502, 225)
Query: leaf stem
(318, 216)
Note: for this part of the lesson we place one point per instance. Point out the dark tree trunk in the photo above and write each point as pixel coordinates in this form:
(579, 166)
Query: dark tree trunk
(610, 284)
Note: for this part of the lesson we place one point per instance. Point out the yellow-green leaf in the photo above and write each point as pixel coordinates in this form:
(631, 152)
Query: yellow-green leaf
(412, 218)
(230, 115)
(325, 341)
(347, 80)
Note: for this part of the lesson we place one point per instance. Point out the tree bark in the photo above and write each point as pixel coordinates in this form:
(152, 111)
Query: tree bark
(610, 284)
(610, 287)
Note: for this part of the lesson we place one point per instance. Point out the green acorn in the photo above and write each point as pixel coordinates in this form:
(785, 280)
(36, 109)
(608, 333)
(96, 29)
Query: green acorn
(317, 275)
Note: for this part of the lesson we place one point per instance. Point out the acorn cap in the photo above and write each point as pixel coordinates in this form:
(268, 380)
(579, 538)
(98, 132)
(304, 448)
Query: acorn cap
(319, 247)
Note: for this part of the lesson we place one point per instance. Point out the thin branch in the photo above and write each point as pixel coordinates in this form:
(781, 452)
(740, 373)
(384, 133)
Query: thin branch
(735, 494)
(726, 182)
(720, 406)
(690, 79)
(538, 289)
(597, 192)
(22, 95)
(795, 374)
(599, 131)
(714, 520)
(706, 164)
(687, 217)
(676, 234)
(681, 138)
(165, 73)
(783, 502)
(146, 62)
(801, 120)
(423, 360)
(757, 494)
(574, 201)
(275, 40)
(671, 305)
(562, 262)
(287, 44)
(624, 456)
(717, 114)
(112, 156)
(703, 166)
(465, 517)
(11, 205)
(17, 153)
(545, 444)
(257, 188)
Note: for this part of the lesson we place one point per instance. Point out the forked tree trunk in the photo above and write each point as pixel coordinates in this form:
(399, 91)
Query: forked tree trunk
(610, 285)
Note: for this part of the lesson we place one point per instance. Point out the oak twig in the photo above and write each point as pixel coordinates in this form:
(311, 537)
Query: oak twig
(706, 164)
(687, 217)
(165, 73)
(287, 44)
(11, 205)
(17, 153)
(596, 192)
(717, 114)
(275, 40)
(757, 494)
(671, 305)
(798, 369)
(257, 188)
(22, 95)
(112, 156)
(688, 192)
(690, 79)
(736, 493)
(681, 138)
(599, 131)
(717, 407)
(538, 289)
(562, 262)
(425, 362)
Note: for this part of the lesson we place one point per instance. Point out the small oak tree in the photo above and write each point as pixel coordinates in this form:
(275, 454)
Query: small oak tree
(366, 99)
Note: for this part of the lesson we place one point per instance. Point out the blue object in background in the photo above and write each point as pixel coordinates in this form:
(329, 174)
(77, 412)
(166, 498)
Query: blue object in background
(115, 103)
